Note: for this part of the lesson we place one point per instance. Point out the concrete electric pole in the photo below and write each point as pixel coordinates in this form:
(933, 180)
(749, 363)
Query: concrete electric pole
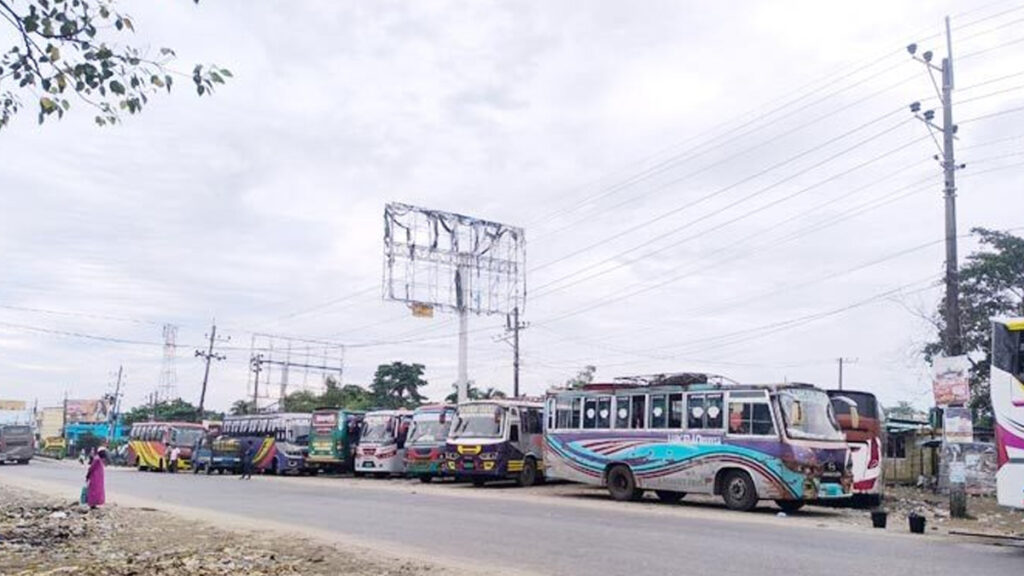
(842, 362)
(952, 343)
(209, 356)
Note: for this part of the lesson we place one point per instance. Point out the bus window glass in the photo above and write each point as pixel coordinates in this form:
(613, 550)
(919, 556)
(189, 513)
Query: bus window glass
(1004, 348)
(622, 412)
(638, 412)
(750, 418)
(713, 407)
(675, 410)
(695, 411)
(536, 422)
(604, 412)
(563, 413)
(590, 413)
(659, 415)
(577, 412)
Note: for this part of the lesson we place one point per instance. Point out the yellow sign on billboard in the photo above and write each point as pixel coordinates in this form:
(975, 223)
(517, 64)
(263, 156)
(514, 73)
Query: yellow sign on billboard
(422, 310)
(13, 405)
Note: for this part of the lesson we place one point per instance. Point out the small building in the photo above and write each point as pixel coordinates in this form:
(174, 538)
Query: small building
(911, 451)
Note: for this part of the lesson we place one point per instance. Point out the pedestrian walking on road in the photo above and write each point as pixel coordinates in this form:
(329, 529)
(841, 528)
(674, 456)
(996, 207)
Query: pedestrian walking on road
(248, 454)
(175, 455)
(96, 494)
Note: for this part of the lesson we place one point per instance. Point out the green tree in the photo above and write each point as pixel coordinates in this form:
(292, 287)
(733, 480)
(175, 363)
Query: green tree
(902, 409)
(991, 284)
(474, 393)
(241, 407)
(582, 378)
(301, 401)
(66, 50)
(176, 410)
(397, 385)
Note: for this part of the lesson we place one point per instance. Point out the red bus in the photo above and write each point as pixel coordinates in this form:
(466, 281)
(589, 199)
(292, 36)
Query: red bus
(862, 421)
(149, 444)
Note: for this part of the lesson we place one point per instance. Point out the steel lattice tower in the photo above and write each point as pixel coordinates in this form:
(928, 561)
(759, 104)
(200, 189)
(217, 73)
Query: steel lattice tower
(167, 388)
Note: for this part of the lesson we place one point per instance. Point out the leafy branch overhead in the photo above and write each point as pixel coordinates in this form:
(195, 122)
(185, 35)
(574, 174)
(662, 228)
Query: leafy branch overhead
(68, 50)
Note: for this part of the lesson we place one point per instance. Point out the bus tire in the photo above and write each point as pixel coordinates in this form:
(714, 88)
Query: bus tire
(790, 506)
(622, 484)
(426, 478)
(669, 496)
(528, 475)
(479, 482)
(738, 491)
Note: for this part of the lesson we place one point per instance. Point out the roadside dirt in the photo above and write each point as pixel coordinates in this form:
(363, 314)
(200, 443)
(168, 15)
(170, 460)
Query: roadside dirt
(40, 535)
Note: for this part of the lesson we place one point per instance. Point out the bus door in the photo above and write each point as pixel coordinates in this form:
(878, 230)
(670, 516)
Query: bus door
(1007, 393)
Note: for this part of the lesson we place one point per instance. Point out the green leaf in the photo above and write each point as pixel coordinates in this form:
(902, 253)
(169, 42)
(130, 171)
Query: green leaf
(47, 104)
(216, 78)
(227, 73)
(53, 53)
(116, 87)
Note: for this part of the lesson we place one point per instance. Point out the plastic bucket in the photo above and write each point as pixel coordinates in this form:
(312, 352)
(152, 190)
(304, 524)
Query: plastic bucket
(916, 523)
(878, 518)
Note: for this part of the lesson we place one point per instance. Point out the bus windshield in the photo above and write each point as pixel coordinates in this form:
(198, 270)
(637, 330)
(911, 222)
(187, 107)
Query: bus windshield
(186, 436)
(479, 421)
(428, 430)
(808, 414)
(376, 429)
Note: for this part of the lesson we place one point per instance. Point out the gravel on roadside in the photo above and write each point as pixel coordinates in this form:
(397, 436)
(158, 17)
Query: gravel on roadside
(40, 535)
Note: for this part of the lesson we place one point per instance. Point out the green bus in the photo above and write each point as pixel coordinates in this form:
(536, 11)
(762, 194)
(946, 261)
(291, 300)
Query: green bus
(332, 439)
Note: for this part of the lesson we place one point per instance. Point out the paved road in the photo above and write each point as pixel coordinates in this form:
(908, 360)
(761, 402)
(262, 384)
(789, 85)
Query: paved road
(550, 536)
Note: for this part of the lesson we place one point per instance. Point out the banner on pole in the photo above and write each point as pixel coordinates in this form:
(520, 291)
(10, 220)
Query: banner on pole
(957, 426)
(951, 380)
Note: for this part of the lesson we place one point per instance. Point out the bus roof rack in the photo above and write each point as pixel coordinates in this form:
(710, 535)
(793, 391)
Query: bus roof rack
(676, 379)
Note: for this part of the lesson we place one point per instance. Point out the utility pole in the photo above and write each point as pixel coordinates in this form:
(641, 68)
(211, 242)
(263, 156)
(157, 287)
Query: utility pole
(209, 356)
(952, 343)
(257, 365)
(843, 361)
(514, 325)
(112, 420)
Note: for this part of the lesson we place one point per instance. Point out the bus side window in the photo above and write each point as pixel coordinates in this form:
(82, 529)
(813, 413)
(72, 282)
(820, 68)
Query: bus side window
(639, 411)
(659, 416)
(536, 423)
(695, 411)
(622, 412)
(564, 413)
(713, 406)
(590, 413)
(675, 410)
(577, 411)
(604, 412)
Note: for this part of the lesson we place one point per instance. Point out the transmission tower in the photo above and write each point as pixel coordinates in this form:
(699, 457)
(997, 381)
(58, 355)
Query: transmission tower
(167, 388)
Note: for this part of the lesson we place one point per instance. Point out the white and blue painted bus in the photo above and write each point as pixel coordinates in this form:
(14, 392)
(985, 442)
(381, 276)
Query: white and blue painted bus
(690, 432)
(1007, 391)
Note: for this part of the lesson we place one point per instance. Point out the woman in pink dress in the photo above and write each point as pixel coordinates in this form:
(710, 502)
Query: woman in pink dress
(95, 491)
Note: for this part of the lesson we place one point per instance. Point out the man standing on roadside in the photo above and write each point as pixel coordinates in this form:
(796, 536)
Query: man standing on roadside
(248, 454)
(175, 455)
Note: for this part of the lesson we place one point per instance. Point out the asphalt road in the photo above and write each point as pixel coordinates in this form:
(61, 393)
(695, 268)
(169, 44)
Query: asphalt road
(504, 529)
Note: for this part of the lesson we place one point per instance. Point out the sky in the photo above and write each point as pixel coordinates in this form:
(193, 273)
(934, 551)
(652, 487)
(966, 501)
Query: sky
(730, 187)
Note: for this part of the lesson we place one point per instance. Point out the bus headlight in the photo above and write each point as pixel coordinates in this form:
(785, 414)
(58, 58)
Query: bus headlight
(488, 455)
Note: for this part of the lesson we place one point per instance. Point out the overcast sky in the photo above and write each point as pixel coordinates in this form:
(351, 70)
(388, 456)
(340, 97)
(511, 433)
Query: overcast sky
(733, 187)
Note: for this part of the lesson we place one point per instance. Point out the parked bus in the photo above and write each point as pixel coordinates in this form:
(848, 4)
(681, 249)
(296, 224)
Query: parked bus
(149, 444)
(333, 438)
(281, 440)
(424, 452)
(381, 448)
(216, 452)
(695, 433)
(16, 443)
(497, 440)
(861, 421)
(1007, 392)
(54, 447)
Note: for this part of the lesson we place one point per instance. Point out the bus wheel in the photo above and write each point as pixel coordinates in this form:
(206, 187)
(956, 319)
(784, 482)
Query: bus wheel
(669, 497)
(789, 506)
(738, 491)
(426, 478)
(528, 475)
(622, 485)
(479, 482)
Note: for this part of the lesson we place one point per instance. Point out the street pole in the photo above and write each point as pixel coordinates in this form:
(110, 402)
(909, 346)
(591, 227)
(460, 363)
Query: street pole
(515, 347)
(461, 288)
(209, 356)
(840, 373)
(113, 409)
(257, 360)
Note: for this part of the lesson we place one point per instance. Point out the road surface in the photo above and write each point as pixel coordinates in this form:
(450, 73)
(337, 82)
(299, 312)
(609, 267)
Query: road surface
(531, 533)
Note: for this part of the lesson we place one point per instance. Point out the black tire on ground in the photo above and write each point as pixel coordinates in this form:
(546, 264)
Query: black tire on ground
(23, 462)
(528, 475)
(426, 478)
(622, 485)
(358, 474)
(790, 506)
(479, 482)
(669, 496)
(738, 491)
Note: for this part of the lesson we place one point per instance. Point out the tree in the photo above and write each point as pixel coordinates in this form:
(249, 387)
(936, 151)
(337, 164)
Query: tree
(176, 410)
(582, 378)
(68, 49)
(397, 385)
(902, 409)
(474, 393)
(349, 396)
(300, 401)
(241, 407)
(991, 284)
